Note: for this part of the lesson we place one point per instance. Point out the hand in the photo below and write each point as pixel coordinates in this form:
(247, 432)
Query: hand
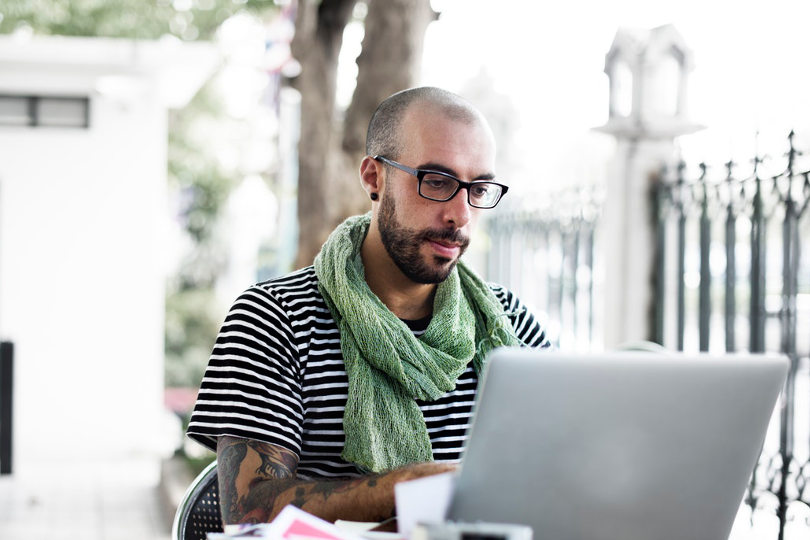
(428, 468)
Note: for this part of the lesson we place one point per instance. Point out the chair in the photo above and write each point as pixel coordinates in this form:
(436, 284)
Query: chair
(198, 511)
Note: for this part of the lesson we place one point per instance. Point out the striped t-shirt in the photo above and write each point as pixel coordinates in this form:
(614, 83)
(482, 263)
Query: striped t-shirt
(276, 375)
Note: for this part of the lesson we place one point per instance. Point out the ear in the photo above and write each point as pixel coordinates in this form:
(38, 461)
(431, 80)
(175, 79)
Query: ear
(371, 176)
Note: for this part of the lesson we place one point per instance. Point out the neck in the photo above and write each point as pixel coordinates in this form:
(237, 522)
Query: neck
(405, 298)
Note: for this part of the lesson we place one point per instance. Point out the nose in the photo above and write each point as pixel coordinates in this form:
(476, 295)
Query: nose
(457, 211)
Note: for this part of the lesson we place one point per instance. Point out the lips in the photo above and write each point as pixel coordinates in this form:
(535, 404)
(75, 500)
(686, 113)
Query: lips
(445, 249)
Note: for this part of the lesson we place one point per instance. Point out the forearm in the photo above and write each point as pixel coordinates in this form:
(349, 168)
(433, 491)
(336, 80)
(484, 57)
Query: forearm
(367, 498)
(257, 480)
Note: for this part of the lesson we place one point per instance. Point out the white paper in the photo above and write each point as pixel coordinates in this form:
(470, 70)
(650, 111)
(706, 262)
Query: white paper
(424, 500)
(356, 527)
(363, 529)
(292, 522)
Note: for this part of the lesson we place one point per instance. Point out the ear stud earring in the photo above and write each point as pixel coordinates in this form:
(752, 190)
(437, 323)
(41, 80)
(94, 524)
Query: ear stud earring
(374, 196)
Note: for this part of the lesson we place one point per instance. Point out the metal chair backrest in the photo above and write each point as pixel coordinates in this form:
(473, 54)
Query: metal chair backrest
(198, 512)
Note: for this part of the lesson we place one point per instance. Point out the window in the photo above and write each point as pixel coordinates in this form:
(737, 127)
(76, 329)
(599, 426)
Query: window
(44, 111)
(622, 95)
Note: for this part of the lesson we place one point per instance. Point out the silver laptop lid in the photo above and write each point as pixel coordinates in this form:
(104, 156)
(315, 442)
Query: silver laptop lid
(630, 446)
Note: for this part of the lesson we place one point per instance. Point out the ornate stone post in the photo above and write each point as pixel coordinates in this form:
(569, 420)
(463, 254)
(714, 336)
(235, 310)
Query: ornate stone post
(648, 72)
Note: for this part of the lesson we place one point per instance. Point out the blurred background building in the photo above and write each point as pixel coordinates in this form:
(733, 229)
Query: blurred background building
(84, 212)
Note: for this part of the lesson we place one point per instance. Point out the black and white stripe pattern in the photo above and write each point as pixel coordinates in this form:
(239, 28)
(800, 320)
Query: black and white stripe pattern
(276, 374)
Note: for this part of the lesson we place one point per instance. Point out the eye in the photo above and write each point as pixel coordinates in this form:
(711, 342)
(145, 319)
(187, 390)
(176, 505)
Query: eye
(437, 183)
(480, 190)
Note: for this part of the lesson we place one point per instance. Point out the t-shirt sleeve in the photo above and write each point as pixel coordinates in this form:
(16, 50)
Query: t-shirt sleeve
(527, 328)
(252, 385)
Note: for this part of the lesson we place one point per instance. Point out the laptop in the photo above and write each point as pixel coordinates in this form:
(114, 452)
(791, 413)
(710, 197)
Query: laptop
(618, 446)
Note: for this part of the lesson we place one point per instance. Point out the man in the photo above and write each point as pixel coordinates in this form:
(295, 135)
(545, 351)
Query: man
(331, 384)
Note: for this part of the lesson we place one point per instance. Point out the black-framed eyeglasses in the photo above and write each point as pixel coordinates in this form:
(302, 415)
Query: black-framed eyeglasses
(441, 187)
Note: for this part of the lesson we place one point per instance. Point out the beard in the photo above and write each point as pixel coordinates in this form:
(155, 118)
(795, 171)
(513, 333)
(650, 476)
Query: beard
(403, 246)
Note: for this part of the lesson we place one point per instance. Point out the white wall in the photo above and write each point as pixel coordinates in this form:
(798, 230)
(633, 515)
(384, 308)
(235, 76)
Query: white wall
(81, 284)
(83, 229)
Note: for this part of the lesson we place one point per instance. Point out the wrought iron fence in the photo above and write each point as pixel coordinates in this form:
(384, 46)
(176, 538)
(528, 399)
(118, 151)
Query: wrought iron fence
(548, 254)
(739, 282)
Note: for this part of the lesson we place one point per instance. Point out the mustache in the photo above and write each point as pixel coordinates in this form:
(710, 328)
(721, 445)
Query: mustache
(451, 236)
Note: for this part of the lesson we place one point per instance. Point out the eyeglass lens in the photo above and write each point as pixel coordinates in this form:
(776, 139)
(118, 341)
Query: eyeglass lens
(442, 188)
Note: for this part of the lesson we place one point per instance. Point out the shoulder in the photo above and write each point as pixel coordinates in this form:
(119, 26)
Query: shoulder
(526, 324)
(506, 297)
(282, 305)
(288, 293)
(296, 284)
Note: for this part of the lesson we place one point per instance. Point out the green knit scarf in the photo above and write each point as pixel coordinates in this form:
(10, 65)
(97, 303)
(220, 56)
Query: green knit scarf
(388, 368)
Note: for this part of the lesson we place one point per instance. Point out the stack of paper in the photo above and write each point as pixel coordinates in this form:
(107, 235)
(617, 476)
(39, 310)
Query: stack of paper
(292, 523)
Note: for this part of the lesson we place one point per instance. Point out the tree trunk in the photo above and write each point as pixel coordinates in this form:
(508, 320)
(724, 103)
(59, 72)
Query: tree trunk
(329, 151)
(316, 44)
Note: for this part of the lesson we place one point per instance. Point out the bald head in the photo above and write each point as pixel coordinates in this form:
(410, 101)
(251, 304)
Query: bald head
(384, 135)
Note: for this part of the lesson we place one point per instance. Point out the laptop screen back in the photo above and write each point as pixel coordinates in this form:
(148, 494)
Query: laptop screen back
(616, 446)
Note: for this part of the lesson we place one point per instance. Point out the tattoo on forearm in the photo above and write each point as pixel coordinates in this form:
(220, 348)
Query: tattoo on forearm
(260, 499)
(257, 502)
(300, 497)
(276, 463)
(328, 488)
(228, 463)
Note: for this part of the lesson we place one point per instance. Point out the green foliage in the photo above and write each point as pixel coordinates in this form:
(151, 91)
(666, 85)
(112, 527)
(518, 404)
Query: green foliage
(192, 317)
(141, 19)
(197, 464)
(202, 185)
(190, 330)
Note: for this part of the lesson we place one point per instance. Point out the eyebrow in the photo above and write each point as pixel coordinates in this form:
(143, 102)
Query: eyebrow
(447, 170)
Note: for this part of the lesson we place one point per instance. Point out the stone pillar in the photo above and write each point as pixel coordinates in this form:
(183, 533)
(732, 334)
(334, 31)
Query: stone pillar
(648, 80)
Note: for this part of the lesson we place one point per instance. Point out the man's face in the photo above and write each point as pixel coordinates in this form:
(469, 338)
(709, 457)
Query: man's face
(426, 238)
(404, 245)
